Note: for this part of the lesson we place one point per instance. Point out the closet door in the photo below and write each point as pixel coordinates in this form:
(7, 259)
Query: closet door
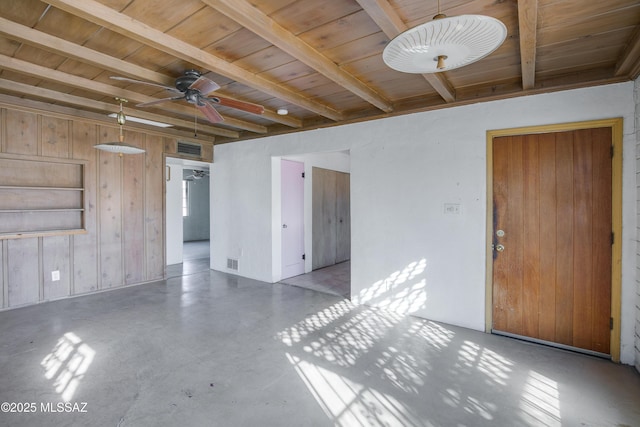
(324, 218)
(331, 218)
(343, 217)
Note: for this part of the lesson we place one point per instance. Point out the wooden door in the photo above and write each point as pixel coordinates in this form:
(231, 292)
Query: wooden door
(323, 218)
(331, 217)
(343, 217)
(552, 237)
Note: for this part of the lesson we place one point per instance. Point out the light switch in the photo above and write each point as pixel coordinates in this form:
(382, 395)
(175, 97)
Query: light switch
(55, 275)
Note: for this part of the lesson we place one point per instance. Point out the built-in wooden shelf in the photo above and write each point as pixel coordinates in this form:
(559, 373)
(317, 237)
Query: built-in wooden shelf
(41, 210)
(40, 197)
(30, 187)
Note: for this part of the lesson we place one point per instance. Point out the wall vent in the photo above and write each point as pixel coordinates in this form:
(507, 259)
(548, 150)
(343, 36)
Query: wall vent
(188, 149)
(232, 264)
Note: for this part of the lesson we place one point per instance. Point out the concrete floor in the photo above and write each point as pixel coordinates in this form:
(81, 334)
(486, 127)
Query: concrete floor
(195, 256)
(334, 280)
(210, 349)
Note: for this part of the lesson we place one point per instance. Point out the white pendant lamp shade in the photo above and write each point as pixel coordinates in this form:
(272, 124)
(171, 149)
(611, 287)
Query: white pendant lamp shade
(119, 148)
(444, 44)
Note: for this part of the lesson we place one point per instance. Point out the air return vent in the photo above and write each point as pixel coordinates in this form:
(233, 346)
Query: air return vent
(232, 264)
(188, 149)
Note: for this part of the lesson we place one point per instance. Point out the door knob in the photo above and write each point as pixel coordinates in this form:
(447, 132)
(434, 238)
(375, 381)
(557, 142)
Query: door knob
(284, 225)
(499, 247)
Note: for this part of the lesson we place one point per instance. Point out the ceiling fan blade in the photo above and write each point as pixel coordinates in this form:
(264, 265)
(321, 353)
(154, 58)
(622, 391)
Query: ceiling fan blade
(239, 105)
(158, 101)
(204, 85)
(126, 79)
(210, 113)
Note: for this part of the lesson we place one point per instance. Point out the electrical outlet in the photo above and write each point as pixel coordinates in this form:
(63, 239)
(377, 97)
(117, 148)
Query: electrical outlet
(55, 275)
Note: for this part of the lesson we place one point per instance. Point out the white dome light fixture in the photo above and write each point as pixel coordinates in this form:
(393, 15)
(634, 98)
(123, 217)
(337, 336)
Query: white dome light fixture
(444, 43)
(119, 147)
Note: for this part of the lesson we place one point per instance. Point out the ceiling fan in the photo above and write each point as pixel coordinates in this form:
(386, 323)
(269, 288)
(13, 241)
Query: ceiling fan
(197, 174)
(193, 87)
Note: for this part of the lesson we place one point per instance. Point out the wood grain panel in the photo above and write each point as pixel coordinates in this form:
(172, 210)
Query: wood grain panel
(133, 214)
(42, 173)
(564, 239)
(55, 137)
(23, 277)
(17, 198)
(601, 263)
(56, 257)
(531, 237)
(548, 232)
(343, 217)
(513, 238)
(110, 214)
(582, 239)
(85, 246)
(500, 260)
(323, 218)
(21, 133)
(154, 210)
(35, 221)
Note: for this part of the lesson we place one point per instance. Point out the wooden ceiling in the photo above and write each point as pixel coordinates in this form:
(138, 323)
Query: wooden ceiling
(321, 60)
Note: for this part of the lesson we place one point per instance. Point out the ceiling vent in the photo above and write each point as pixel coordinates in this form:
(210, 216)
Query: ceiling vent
(188, 149)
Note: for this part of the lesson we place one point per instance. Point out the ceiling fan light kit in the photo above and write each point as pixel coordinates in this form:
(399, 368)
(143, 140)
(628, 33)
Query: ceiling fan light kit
(119, 147)
(444, 43)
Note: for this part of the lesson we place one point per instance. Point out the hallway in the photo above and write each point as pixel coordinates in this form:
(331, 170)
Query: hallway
(334, 280)
(212, 349)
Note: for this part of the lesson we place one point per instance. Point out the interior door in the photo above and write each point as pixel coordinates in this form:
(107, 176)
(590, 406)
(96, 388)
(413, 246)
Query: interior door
(323, 218)
(292, 197)
(343, 217)
(552, 237)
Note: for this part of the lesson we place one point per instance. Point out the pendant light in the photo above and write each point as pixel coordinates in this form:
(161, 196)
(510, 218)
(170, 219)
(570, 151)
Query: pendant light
(120, 147)
(444, 43)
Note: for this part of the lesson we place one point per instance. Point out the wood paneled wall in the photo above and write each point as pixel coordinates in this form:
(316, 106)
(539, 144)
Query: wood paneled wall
(124, 215)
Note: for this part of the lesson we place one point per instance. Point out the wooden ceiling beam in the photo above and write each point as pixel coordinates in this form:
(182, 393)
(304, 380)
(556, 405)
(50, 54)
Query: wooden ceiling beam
(109, 18)
(83, 54)
(629, 64)
(64, 112)
(264, 26)
(528, 24)
(390, 23)
(79, 53)
(78, 101)
(60, 77)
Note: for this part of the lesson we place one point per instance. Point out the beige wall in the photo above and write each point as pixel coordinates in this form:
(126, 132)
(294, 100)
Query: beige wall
(123, 201)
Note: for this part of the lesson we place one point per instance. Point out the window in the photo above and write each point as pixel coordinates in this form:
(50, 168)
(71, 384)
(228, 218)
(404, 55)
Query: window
(185, 197)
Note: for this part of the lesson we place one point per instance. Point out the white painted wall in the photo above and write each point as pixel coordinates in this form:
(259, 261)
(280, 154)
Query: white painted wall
(407, 255)
(173, 216)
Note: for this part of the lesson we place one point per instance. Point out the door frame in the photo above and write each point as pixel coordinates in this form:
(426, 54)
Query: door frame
(616, 219)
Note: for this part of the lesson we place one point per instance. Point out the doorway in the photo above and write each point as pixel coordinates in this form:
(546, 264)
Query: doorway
(187, 216)
(552, 270)
(331, 209)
